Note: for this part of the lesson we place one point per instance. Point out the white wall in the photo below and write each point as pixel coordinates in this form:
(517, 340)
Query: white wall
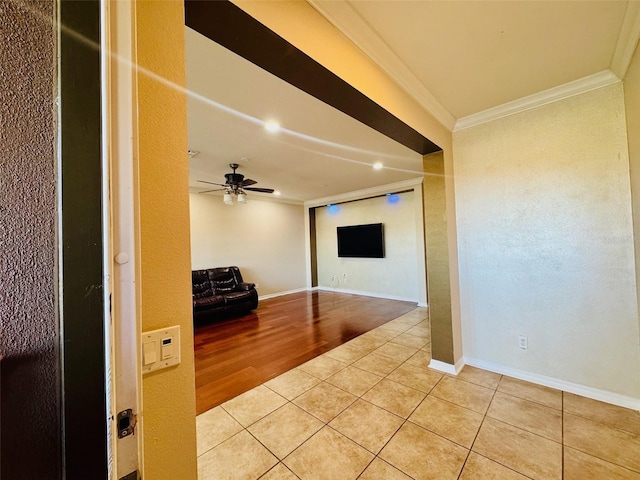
(395, 275)
(546, 243)
(265, 239)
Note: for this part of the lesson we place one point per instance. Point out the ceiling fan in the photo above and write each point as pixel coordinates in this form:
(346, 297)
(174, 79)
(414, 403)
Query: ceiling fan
(236, 183)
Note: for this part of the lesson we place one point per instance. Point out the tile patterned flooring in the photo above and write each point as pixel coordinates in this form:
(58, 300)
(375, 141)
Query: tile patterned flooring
(371, 410)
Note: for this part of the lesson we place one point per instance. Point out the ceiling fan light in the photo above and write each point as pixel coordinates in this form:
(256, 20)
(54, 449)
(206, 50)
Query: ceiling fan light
(228, 199)
(242, 197)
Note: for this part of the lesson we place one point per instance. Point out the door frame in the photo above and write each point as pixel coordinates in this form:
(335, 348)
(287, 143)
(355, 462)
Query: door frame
(99, 295)
(82, 294)
(123, 253)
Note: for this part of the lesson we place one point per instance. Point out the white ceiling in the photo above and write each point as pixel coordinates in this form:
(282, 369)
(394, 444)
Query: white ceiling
(456, 58)
(474, 55)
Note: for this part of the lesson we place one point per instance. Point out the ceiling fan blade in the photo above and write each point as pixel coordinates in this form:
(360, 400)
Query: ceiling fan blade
(255, 189)
(246, 182)
(216, 190)
(212, 183)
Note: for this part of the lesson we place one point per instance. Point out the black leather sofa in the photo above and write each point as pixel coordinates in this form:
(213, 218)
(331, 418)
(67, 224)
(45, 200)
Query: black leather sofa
(220, 292)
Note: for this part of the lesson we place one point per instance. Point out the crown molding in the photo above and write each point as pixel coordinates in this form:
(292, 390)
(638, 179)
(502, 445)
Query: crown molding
(364, 193)
(582, 85)
(627, 40)
(342, 16)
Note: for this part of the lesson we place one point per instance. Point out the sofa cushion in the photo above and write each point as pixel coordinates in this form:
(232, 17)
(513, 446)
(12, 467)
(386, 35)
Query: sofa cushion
(223, 286)
(198, 288)
(237, 297)
(222, 280)
(199, 276)
(209, 302)
(203, 293)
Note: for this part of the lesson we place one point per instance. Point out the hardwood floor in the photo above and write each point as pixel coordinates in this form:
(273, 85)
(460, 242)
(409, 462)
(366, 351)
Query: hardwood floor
(237, 354)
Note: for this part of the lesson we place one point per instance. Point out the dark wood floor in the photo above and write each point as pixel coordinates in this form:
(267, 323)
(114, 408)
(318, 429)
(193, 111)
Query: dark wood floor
(235, 355)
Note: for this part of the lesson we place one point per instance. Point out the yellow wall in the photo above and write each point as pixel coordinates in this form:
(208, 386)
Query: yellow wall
(168, 399)
(301, 25)
(632, 107)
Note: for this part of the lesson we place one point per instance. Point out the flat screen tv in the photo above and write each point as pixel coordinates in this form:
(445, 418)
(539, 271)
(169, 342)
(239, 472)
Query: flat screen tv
(361, 241)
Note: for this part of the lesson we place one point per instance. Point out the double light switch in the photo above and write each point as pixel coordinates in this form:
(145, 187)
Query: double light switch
(160, 349)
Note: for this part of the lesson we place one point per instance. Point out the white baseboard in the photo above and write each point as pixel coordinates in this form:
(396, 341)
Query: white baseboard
(366, 294)
(279, 294)
(423, 304)
(446, 367)
(589, 392)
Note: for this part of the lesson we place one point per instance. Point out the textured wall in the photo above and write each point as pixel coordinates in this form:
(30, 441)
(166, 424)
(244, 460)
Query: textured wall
(632, 108)
(546, 242)
(265, 239)
(168, 395)
(396, 274)
(30, 371)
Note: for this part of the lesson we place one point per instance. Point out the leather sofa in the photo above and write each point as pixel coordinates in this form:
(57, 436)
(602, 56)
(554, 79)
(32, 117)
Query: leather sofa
(220, 292)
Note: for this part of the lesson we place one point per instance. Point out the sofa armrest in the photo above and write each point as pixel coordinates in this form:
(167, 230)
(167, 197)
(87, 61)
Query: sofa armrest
(245, 286)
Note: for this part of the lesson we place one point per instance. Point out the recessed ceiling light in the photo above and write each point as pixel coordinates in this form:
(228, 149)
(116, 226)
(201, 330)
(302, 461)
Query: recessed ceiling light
(377, 166)
(272, 126)
(277, 193)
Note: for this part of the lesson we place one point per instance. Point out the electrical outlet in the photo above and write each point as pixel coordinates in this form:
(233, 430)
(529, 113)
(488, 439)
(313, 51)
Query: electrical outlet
(522, 342)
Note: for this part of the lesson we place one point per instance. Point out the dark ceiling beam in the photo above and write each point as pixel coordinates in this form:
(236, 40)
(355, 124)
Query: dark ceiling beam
(226, 24)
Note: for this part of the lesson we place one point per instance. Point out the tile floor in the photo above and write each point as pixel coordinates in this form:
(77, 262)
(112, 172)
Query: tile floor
(370, 409)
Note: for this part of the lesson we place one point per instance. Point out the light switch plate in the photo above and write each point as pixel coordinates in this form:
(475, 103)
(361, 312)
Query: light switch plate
(169, 338)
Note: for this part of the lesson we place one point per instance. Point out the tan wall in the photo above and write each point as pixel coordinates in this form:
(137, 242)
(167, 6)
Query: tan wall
(632, 108)
(546, 243)
(168, 400)
(435, 220)
(267, 244)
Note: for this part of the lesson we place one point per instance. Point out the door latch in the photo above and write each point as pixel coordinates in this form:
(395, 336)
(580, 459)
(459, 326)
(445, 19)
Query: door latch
(126, 421)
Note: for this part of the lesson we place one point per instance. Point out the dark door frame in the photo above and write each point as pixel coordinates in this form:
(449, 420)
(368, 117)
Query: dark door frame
(85, 423)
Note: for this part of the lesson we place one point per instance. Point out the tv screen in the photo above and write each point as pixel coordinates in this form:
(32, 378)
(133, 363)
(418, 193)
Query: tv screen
(363, 241)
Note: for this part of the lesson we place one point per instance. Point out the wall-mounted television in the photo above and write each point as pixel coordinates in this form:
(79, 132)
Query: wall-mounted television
(361, 241)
